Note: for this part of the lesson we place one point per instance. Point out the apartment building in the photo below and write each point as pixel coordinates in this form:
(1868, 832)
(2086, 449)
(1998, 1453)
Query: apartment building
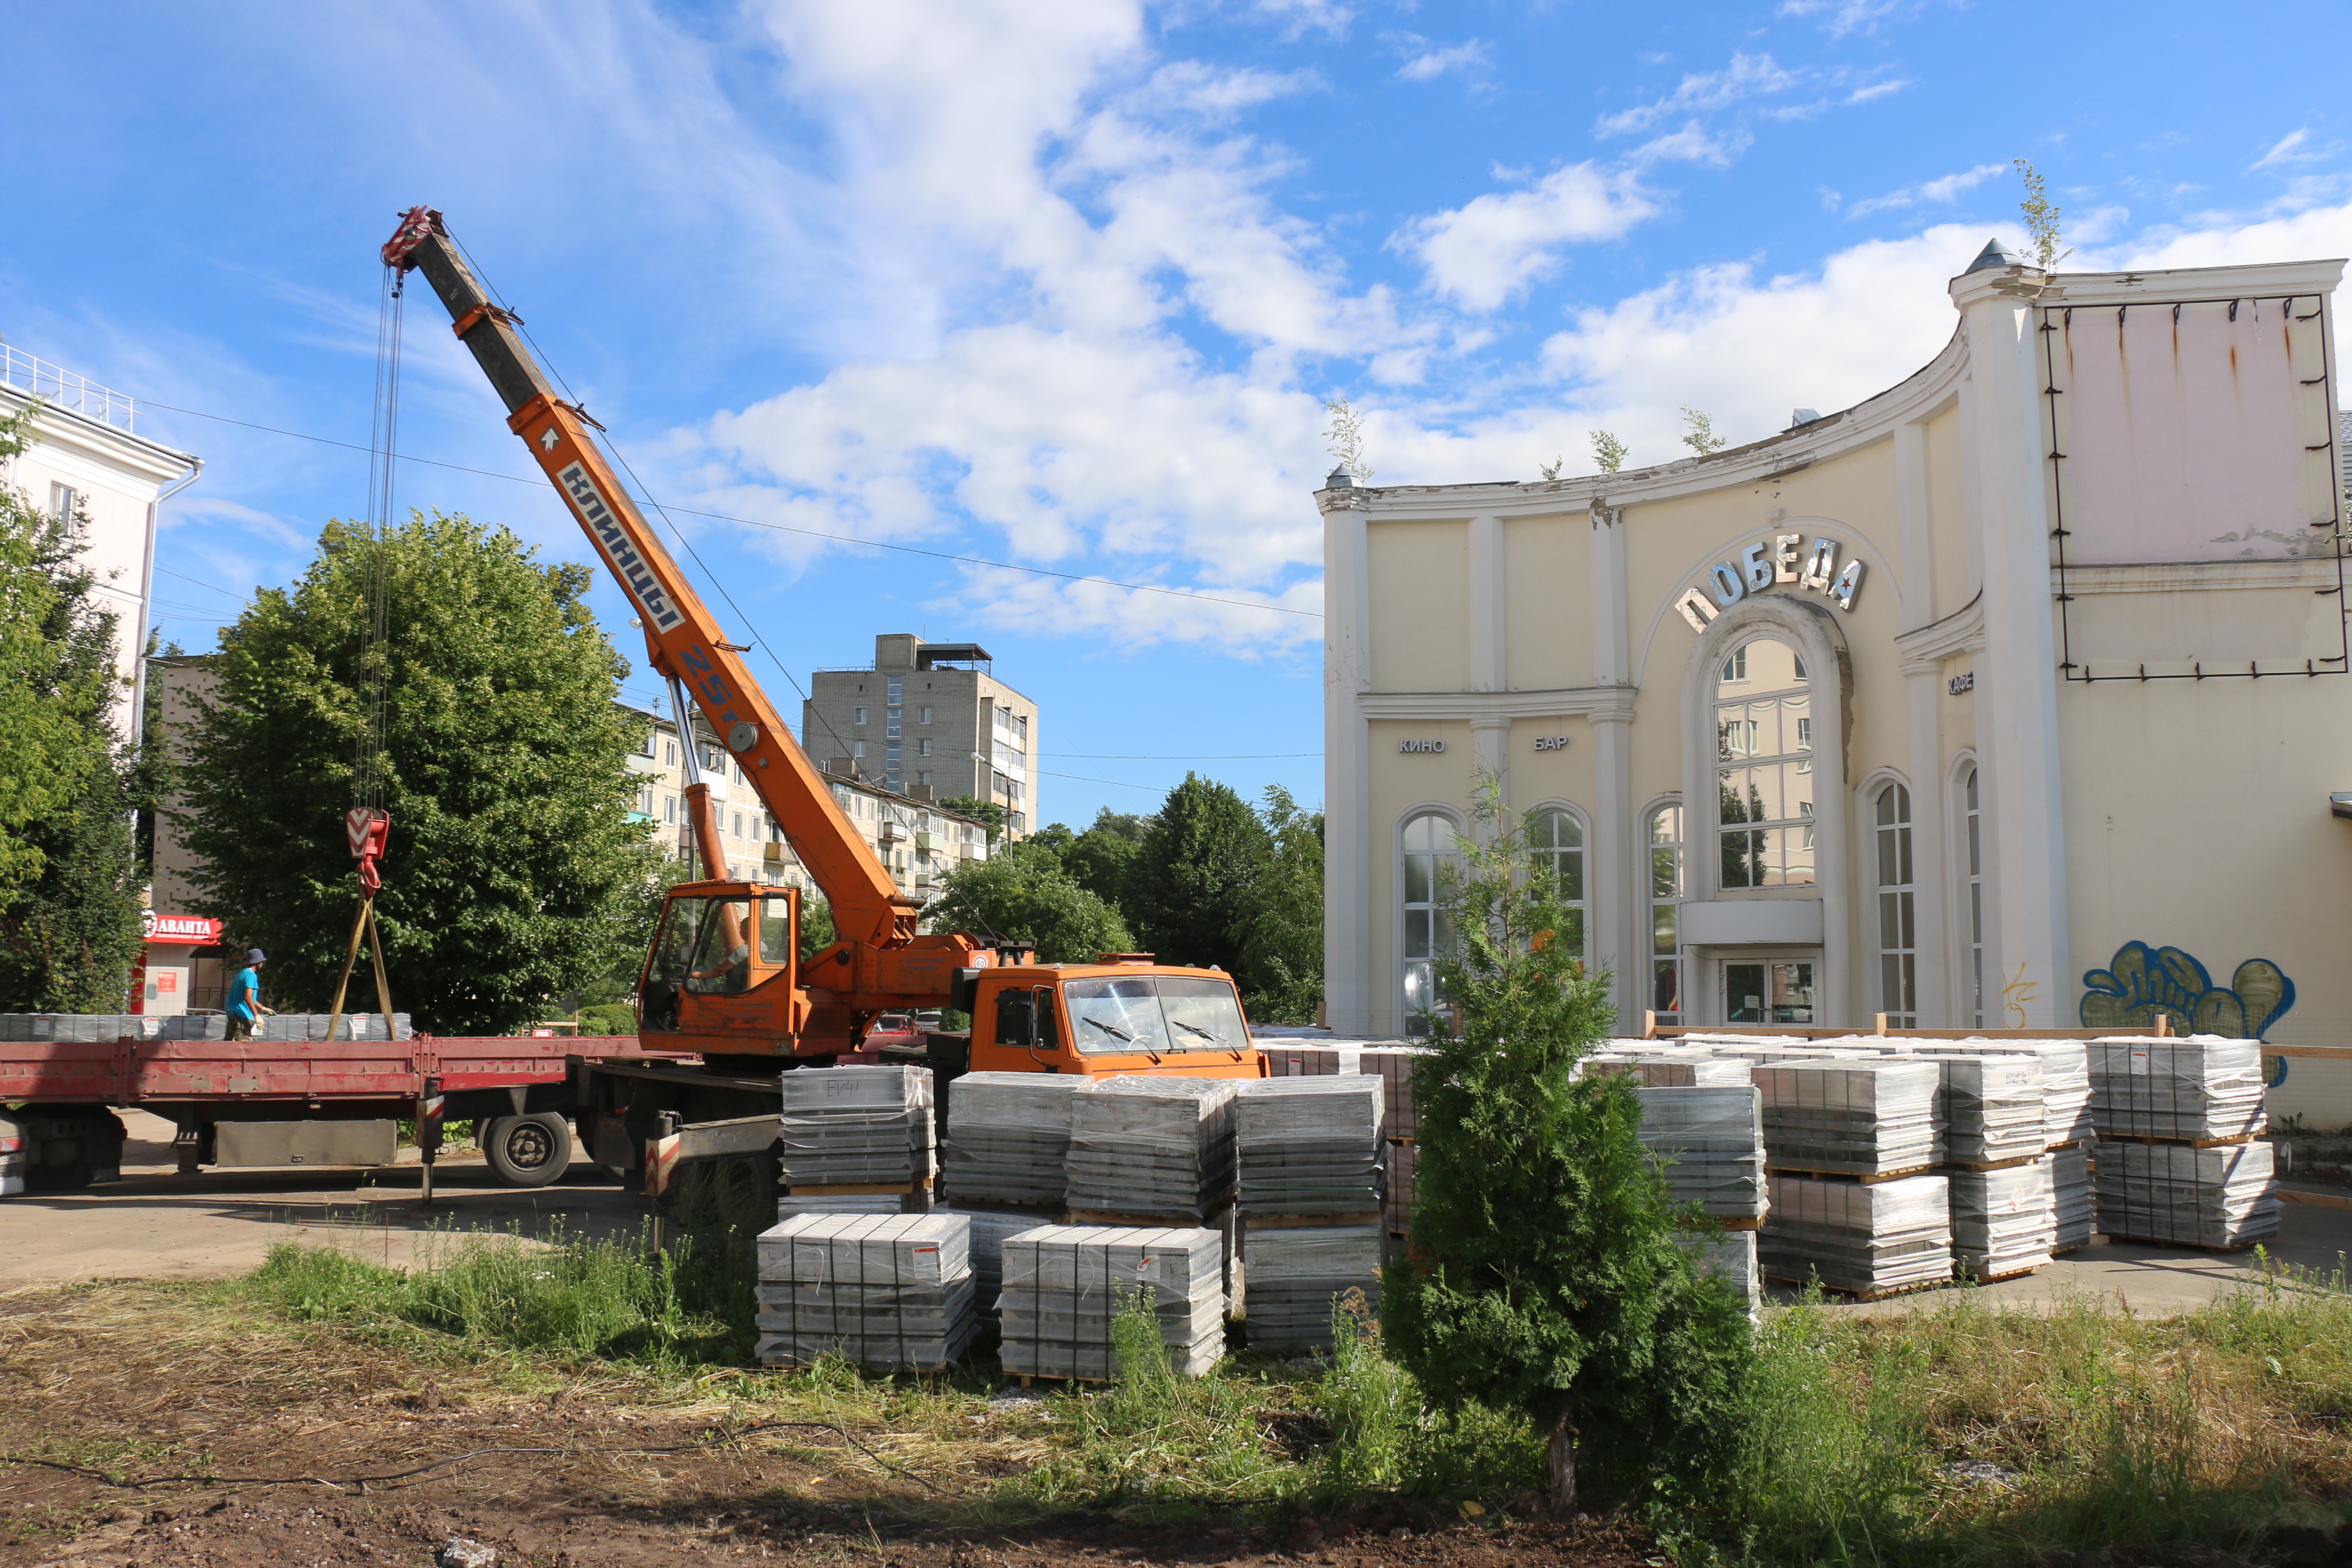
(929, 721)
(915, 838)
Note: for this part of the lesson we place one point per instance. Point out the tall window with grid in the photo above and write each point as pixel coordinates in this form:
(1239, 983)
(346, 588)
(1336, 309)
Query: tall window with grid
(1972, 847)
(1556, 846)
(1764, 767)
(1899, 947)
(1429, 848)
(1665, 909)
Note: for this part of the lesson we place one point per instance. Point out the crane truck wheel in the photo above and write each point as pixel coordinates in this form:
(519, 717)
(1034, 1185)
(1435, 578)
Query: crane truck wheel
(528, 1151)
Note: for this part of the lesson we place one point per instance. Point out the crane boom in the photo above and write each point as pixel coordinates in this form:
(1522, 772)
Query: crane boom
(683, 638)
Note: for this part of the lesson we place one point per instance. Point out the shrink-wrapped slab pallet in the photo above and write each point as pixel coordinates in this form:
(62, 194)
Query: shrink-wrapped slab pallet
(1403, 1186)
(1991, 1108)
(1155, 1146)
(857, 1126)
(1309, 1058)
(2224, 1197)
(2070, 1185)
(1729, 1255)
(1295, 1276)
(990, 1229)
(2196, 1088)
(1008, 1137)
(1679, 1071)
(1310, 1145)
(789, 1206)
(1713, 1141)
(890, 1291)
(1064, 1285)
(1392, 1065)
(1865, 1238)
(2003, 1222)
(1849, 1117)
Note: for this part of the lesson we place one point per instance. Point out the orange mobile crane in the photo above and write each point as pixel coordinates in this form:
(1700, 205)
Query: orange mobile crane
(724, 978)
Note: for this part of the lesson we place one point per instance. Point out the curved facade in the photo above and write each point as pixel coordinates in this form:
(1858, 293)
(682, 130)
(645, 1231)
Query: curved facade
(2015, 695)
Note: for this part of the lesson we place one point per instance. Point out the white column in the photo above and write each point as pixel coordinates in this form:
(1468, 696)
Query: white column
(1619, 894)
(1923, 689)
(1918, 569)
(1489, 630)
(2017, 673)
(1348, 832)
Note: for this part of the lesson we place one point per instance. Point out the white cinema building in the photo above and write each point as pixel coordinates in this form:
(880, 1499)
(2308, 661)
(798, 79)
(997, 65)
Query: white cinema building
(2015, 695)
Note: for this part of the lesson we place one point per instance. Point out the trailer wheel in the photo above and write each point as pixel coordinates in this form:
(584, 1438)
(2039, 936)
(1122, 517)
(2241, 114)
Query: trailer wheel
(528, 1151)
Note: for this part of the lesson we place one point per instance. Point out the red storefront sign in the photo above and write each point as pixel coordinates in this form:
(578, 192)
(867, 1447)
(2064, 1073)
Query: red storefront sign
(181, 931)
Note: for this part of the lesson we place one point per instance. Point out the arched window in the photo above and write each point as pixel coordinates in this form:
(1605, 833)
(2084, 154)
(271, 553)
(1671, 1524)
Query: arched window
(1429, 848)
(1556, 844)
(1898, 948)
(1665, 909)
(1764, 767)
(1972, 847)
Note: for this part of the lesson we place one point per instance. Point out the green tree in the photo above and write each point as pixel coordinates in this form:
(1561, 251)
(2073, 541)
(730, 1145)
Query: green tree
(985, 811)
(1191, 877)
(1345, 435)
(2040, 217)
(1544, 1272)
(1608, 451)
(1700, 435)
(1282, 916)
(70, 869)
(514, 872)
(1024, 892)
(816, 927)
(1103, 859)
(46, 751)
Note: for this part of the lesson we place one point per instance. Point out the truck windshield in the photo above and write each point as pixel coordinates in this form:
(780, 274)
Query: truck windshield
(1161, 1014)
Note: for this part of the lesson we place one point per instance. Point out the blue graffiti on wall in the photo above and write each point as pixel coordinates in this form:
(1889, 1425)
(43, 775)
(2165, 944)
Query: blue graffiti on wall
(2141, 981)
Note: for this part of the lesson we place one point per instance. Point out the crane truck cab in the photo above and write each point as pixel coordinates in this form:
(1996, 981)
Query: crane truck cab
(1103, 1019)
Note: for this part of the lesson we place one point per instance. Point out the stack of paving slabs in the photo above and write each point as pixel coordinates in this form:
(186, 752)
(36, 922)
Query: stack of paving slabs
(2004, 1222)
(2200, 1089)
(1310, 1145)
(2065, 1080)
(1296, 1274)
(1660, 1071)
(1308, 1059)
(917, 1202)
(889, 1291)
(1729, 1255)
(2070, 1184)
(857, 1126)
(314, 1027)
(1863, 1236)
(1857, 1117)
(1392, 1065)
(1992, 1110)
(1008, 1134)
(1064, 1285)
(1403, 1186)
(2225, 1197)
(990, 1229)
(1161, 1147)
(1713, 1141)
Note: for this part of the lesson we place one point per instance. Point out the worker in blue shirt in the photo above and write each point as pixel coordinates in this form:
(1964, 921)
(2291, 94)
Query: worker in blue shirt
(245, 996)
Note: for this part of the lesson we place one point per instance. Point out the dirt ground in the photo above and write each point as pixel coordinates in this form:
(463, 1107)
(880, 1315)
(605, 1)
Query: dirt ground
(135, 1382)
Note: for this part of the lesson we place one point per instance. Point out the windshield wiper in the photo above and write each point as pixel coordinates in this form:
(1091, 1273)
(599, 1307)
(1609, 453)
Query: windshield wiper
(1105, 1028)
(1194, 1029)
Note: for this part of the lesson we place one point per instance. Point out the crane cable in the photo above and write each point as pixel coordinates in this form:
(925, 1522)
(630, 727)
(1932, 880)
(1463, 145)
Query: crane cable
(367, 759)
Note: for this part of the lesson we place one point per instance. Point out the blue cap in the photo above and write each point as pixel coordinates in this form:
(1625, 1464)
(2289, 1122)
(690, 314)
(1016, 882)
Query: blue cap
(254, 955)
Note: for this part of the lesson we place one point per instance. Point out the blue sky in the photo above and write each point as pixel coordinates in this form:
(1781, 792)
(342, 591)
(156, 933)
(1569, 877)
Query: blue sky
(1063, 283)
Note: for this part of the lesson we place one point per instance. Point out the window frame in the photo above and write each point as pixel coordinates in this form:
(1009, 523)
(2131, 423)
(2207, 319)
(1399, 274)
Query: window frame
(1668, 961)
(1582, 849)
(1892, 823)
(1796, 754)
(1407, 963)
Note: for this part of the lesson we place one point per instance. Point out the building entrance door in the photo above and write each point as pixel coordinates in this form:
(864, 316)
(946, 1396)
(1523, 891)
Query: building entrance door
(1770, 990)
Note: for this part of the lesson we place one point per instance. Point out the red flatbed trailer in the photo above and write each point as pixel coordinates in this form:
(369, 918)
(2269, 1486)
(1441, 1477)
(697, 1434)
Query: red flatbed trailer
(294, 1101)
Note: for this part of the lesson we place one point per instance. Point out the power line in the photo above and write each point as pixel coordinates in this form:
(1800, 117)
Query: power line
(775, 527)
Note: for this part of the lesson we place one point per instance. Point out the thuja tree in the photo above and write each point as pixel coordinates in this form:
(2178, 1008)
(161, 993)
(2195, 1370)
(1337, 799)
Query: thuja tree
(1544, 1274)
(514, 873)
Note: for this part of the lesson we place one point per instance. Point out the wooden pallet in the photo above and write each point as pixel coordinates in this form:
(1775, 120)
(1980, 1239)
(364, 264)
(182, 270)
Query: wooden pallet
(2013, 1274)
(860, 1190)
(1752, 1222)
(1353, 1219)
(1868, 1180)
(2150, 1139)
(1863, 1295)
(1977, 1166)
(2316, 1200)
(1215, 1221)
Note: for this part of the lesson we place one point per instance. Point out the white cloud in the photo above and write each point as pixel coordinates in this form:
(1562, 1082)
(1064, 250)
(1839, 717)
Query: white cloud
(1748, 75)
(1843, 16)
(1126, 619)
(1193, 87)
(1941, 192)
(2288, 149)
(1299, 17)
(1425, 61)
(1693, 144)
(1482, 253)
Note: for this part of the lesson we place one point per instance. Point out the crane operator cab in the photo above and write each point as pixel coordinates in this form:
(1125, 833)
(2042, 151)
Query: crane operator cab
(723, 965)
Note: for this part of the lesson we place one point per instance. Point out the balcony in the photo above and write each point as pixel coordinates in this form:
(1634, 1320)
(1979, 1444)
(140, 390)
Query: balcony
(63, 389)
